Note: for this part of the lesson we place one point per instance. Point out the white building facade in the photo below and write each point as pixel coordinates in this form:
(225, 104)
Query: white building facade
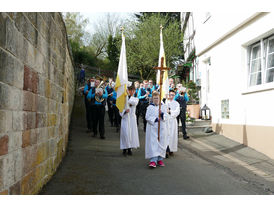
(187, 23)
(235, 54)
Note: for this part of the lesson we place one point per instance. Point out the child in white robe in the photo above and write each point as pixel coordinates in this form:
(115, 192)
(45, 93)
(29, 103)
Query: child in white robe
(155, 149)
(129, 137)
(172, 125)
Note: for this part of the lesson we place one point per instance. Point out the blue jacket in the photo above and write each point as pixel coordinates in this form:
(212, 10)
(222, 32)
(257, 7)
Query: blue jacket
(82, 74)
(91, 95)
(155, 87)
(114, 97)
(86, 88)
(142, 92)
(136, 92)
(185, 97)
(109, 89)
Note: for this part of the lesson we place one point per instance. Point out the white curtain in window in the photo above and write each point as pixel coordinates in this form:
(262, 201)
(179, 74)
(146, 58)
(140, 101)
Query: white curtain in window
(270, 61)
(255, 65)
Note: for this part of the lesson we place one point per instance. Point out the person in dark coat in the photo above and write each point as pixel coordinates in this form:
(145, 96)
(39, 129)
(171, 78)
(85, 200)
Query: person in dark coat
(99, 108)
(143, 96)
(82, 75)
(89, 107)
(110, 90)
(182, 99)
(138, 111)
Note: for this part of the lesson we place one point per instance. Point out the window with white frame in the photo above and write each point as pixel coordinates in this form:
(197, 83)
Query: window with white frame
(225, 108)
(261, 62)
(270, 60)
(255, 72)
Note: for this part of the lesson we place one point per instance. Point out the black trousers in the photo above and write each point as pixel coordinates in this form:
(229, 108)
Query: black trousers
(99, 117)
(88, 114)
(182, 117)
(138, 112)
(167, 149)
(91, 114)
(110, 113)
(143, 108)
(117, 117)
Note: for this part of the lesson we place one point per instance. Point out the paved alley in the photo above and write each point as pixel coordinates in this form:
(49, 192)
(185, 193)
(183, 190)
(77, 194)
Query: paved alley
(94, 166)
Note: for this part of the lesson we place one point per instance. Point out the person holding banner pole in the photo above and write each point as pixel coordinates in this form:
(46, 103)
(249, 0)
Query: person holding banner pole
(156, 143)
(129, 137)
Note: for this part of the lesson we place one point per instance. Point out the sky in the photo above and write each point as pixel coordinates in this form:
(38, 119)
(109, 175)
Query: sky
(140, 5)
(96, 16)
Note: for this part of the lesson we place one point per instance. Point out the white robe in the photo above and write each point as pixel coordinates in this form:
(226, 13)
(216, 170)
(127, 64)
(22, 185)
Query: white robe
(129, 137)
(155, 148)
(172, 125)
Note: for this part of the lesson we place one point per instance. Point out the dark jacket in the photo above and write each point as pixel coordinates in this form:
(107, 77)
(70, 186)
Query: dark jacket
(181, 100)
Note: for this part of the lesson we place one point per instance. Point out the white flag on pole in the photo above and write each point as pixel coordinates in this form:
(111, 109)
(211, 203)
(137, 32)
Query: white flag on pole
(122, 78)
(165, 87)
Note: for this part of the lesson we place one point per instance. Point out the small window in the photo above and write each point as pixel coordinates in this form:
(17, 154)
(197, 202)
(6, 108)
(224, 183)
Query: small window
(225, 108)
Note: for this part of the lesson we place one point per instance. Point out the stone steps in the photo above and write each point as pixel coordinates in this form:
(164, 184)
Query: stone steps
(204, 125)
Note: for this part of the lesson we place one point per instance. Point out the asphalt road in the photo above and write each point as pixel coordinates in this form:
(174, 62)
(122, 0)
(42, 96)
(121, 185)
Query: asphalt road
(94, 166)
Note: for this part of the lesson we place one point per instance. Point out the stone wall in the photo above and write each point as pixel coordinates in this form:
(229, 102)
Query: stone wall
(36, 99)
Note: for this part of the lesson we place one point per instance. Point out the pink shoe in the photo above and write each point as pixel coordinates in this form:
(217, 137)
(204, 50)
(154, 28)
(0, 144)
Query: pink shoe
(152, 164)
(160, 163)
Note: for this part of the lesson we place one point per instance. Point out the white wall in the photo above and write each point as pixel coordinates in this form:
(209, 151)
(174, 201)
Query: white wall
(215, 27)
(228, 70)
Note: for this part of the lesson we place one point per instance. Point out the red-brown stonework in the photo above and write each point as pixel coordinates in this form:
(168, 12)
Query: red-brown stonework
(28, 100)
(35, 82)
(4, 141)
(25, 138)
(31, 120)
(29, 137)
(27, 79)
(30, 80)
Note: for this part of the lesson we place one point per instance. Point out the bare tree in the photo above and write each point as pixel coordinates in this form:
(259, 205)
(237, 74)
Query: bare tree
(108, 25)
(76, 24)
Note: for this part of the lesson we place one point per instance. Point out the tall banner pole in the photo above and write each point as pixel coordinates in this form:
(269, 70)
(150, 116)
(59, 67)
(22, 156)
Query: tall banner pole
(161, 68)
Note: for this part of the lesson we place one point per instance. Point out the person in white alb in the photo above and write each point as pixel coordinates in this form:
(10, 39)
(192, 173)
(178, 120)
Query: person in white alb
(129, 137)
(155, 149)
(173, 110)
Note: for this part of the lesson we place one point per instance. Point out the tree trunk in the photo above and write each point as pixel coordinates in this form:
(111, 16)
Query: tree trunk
(141, 74)
(148, 76)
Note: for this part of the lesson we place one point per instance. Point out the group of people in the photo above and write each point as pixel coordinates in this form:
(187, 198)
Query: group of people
(143, 100)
